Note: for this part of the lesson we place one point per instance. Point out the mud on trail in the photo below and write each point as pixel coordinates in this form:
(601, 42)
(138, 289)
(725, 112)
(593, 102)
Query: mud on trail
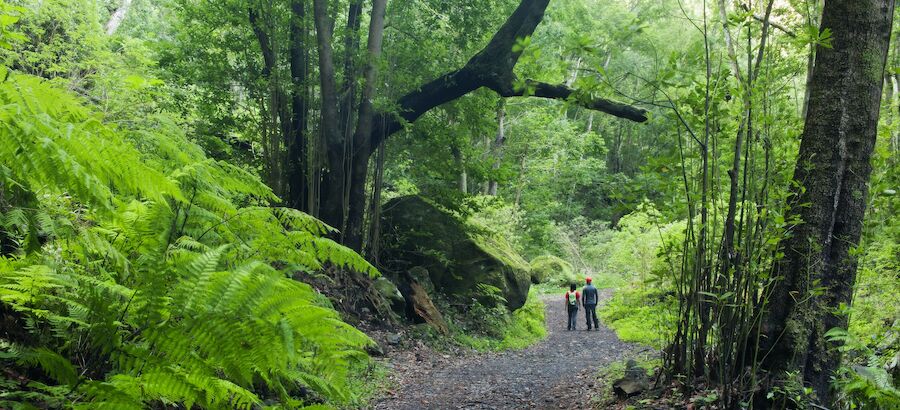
(558, 372)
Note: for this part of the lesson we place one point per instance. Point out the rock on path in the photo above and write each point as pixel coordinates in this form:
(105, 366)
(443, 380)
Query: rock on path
(554, 373)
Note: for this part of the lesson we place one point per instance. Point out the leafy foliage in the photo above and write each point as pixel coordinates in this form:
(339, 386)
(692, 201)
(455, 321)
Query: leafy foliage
(498, 329)
(144, 264)
(136, 271)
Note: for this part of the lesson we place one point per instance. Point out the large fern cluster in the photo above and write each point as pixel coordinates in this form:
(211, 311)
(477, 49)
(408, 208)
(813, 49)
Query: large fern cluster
(137, 272)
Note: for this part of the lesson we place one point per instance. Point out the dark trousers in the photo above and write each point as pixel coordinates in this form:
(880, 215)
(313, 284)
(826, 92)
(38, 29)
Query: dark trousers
(573, 316)
(590, 314)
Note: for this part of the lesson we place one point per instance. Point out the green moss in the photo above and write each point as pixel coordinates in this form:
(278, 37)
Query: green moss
(460, 262)
(501, 249)
(873, 60)
(551, 269)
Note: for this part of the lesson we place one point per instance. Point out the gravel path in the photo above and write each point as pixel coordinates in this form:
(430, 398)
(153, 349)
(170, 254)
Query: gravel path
(555, 373)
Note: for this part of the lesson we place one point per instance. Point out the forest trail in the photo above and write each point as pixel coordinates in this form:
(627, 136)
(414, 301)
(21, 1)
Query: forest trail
(557, 372)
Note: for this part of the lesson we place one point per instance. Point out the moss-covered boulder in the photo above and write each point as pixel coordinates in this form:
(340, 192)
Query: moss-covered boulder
(552, 269)
(416, 233)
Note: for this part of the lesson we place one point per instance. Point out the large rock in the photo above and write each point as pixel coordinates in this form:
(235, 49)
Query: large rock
(390, 293)
(419, 234)
(552, 269)
(634, 383)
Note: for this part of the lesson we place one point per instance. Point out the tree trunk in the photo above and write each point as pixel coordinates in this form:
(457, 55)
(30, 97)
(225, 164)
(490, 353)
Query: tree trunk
(521, 182)
(497, 148)
(279, 118)
(362, 148)
(463, 179)
(351, 50)
(895, 111)
(372, 245)
(298, 157)
(116, 19)
(332, 209)
(819, 268)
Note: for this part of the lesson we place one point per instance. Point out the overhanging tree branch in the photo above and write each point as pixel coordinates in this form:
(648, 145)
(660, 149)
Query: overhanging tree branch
(492, 67)
(562, 92)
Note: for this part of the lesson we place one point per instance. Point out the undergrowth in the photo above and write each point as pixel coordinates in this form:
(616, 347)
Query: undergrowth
(641, 314)
(603, 396)
(136, 272)
(494, 329)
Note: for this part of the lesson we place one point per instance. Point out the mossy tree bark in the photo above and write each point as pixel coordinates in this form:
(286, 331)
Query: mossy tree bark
(818, 269)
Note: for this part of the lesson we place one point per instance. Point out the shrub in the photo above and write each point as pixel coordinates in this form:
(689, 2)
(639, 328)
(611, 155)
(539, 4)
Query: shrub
(498, 329)
(644, 315)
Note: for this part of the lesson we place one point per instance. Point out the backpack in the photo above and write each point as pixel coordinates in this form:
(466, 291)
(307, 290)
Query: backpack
(573, 298)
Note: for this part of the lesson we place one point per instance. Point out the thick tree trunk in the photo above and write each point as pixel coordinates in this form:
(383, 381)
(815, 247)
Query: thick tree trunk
(116, 19)
(363, 148)
(298, 157)
(819, 268)
(332, 209)
(348, 91)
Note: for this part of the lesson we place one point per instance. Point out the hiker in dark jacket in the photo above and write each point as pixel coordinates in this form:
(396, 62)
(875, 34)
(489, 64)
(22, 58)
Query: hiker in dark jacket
(590, 297)
(572, 300)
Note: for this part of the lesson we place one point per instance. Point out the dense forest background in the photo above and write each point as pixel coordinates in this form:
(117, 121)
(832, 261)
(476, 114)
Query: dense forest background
(184, 185)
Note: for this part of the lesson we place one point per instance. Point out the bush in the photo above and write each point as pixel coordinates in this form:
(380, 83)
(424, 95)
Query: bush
(498, 329)
(643, 315)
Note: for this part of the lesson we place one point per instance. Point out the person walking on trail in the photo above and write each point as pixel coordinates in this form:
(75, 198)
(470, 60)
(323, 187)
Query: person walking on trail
(573, 298)
(589, 297)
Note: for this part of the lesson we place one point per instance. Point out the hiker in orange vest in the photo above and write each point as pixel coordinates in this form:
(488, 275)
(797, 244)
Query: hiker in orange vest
(573, 298)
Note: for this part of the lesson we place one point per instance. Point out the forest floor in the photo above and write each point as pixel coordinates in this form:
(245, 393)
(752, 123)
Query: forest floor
(557, 372)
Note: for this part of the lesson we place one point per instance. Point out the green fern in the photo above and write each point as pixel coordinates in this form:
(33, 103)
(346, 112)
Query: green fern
(144, 273)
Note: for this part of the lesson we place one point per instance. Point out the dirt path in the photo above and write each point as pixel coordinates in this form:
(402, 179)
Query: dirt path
(555, 373)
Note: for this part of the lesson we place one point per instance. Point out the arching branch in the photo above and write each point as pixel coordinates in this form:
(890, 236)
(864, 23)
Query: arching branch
(562, 92)
(492, 67)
